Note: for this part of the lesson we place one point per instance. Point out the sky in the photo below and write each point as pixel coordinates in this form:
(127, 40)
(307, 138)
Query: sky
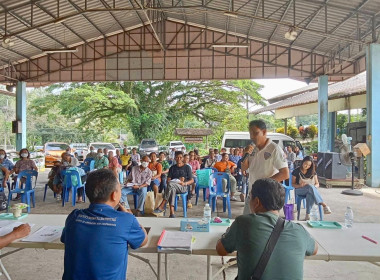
(274, 87)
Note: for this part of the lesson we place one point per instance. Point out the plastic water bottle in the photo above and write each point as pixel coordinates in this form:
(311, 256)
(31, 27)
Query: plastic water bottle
(348, 217)
(207, 212)
(314, 213)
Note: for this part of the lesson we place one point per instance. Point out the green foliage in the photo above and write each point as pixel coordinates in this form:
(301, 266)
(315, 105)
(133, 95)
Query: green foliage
(312, 131)
(152, 109)
(292, 131)
(280, 130)
(270, 121)
(341, 123)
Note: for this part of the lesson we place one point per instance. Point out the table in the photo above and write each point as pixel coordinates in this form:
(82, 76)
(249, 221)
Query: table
(348, 244)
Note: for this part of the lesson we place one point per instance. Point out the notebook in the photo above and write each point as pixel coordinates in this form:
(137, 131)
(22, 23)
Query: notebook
(175, 242)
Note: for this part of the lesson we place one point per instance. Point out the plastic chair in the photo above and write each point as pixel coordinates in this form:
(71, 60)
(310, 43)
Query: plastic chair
(68, 185)
(217, 191)
(184, 202)
(25, 190)
(203, 176)
(88, 165)
(303, 198)
(46, 187)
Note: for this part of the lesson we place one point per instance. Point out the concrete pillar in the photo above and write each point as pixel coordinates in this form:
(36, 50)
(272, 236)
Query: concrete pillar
(373, 114)
(21, 114)
(323, 135)
(332, 130)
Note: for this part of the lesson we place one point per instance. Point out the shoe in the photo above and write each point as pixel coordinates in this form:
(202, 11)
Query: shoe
(58, 197)
(242, 197)
(232, 198)
(326, 210)
(307, 217)
(172, 216)
(138, 214)
(158, 210)
(18, 197)
(189, 205)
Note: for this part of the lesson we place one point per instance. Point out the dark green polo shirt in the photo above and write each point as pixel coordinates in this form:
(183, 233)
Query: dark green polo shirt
(248, 236)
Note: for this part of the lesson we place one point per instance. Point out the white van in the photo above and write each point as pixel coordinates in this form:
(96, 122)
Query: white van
(232, 139)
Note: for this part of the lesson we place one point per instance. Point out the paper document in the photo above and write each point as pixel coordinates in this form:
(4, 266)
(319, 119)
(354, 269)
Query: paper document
(175, 239)
(45, 234)
(6, 228)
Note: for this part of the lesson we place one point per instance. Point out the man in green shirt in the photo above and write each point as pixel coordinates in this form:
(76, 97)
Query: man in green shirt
(101, 161)
(249, 234)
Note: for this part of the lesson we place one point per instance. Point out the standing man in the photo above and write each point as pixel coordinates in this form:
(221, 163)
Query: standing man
(92, 153)
(266, 159)
(97, 238)
(140, 177)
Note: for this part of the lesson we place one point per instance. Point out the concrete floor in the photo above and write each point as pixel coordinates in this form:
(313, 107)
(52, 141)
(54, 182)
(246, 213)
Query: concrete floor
(42, 264)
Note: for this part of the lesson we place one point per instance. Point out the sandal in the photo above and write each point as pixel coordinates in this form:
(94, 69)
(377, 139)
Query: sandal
(326, 210)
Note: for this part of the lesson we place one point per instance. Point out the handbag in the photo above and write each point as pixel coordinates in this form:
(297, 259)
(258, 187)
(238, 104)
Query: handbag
(269, 247)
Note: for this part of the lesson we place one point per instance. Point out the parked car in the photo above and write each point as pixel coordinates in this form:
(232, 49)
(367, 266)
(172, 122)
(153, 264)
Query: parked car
(53, 152)
(148, 146)
(102, 145)
(81, 149)
(242, 139)
(38, 148)
(177, 145)
(118, 146)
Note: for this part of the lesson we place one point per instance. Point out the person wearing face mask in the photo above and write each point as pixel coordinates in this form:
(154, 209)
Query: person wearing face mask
(6, 167)
(140, 177)
(92, 154)
(25, 163)
(101, 161)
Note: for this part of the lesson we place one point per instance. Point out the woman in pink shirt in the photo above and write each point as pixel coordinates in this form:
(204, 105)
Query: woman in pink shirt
(114, 164)
(195, 165)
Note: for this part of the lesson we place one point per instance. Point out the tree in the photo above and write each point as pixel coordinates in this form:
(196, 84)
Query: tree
(146, 108)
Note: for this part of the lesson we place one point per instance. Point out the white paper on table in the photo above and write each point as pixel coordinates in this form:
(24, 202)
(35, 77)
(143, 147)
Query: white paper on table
(176, 239)
(4, 223)
(45, 234)
(9, 228)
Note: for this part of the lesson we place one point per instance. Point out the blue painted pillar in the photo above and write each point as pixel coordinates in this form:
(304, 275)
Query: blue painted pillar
(323, 135)
(373, 114)
(332, 130)
(21, 114)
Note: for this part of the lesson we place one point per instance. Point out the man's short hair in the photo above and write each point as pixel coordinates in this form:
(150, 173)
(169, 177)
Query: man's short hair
(100, 184)
(258, 123)
(270, 193)
(178, 153)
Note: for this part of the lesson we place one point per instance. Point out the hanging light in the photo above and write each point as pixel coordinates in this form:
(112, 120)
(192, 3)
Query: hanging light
(291, 34)
(6, 43)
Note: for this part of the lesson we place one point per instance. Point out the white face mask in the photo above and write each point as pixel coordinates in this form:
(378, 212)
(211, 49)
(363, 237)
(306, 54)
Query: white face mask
(24, 155)
(144, 164)
(100, 155)
(91, 151)
(2, 156)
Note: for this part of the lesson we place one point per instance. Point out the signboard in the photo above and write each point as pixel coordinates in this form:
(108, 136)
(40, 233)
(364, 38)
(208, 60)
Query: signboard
(193, 139)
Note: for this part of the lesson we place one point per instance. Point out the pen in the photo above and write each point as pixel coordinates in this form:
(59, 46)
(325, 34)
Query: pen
(369, 239)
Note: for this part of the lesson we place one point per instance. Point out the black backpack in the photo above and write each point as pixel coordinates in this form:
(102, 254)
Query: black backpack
(3, 201)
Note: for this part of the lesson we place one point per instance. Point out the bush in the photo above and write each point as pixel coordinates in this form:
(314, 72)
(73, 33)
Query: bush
(303, 132)
(312, 131)
(292, 131)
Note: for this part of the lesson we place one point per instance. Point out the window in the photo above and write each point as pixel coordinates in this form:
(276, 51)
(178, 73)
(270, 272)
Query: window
(288, 143)
(233, 143)
(102, 146)
(176, 144)
(148, 143)
(56, 147)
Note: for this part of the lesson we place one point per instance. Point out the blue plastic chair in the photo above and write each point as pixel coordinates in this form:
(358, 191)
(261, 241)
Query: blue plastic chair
(46, 187)
(68, 185)
(303, 198)
(88, 165)
(290, 188)
(217, 191)
(25, 190)
(203, 181)
(184, 202)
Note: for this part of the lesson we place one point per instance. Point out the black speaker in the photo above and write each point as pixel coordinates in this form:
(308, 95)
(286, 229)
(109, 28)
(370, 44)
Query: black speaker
(320, 164)
(334, 169)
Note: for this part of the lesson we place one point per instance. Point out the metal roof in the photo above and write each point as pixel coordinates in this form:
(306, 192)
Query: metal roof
(335, 29)
(350, 87)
